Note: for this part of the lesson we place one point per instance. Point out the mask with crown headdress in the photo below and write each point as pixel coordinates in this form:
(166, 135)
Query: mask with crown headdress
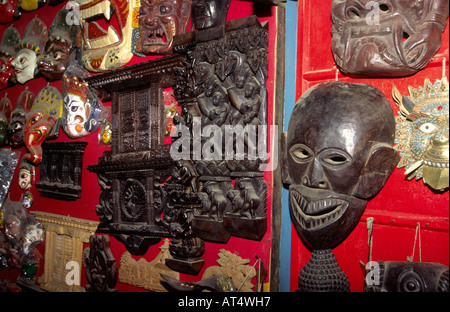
(43, 122)
(422, 133)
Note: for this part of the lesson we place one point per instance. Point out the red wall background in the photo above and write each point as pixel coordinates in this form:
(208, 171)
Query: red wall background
(401, 204)
(84, 207)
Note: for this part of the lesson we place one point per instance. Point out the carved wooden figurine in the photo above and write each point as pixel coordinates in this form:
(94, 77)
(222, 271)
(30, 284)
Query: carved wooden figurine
(16, 126)
(101, 268)
(338, 155)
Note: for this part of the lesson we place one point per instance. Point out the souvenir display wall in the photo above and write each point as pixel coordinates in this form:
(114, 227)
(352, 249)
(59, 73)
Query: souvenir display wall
(141, 139)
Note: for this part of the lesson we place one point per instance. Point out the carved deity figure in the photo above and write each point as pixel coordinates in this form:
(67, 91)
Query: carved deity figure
(61, 46)
(339, 154)
(32, 45)
(209, 13)
(393, 38)
(159, 22)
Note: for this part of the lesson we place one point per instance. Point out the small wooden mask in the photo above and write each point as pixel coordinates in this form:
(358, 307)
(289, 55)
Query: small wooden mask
(61, 46)
(159, 22)
(43, 122)
(32, 45)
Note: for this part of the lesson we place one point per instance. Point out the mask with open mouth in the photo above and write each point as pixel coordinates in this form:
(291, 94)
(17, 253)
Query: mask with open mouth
(339, 154)
(209, 13)
(83, 111)
(61, 46)
(43, 122)
(387, 38)
(159, 22)
(106, 50)
(422, 133)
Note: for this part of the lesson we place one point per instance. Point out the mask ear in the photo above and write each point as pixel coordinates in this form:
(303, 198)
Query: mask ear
(285, 177)
(377, 170)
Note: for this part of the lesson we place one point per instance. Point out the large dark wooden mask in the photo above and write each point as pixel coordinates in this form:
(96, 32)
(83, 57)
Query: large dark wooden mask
(159, 22)
(339, 154)
(389, 38)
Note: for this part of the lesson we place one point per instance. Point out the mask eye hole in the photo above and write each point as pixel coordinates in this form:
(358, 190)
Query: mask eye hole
(334, 158)
(300, 153)
(427, 127)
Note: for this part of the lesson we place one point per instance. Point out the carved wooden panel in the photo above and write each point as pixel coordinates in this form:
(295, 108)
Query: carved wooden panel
(64, 238)
(146, 274)
(60, 170)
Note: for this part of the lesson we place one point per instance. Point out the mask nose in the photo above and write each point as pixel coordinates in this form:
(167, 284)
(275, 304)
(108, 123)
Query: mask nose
(314, 176)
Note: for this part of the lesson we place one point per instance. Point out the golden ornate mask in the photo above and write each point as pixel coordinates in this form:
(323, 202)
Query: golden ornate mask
(422, 133)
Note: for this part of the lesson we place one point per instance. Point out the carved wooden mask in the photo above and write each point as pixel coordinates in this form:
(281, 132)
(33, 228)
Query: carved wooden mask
(18, 119)
(339, 154)
(43, 122)
(32, 45)
(60, 47)
(105, 50)
(159, 22)
(386, 38)
(209, 13)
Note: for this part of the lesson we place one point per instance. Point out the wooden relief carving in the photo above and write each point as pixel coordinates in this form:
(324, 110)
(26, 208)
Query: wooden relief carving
(152, 190)
(101, 268)
(146, 274)
(61, 167)
(222, 86)
(64, 238)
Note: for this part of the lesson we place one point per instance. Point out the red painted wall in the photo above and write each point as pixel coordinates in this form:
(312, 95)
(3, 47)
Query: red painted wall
(401, 204)
(85, 206)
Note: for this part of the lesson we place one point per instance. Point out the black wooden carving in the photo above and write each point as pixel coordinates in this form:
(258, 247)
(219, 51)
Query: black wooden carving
(60, 170)
(152, 190)
(223, 83)
(129, 175)
(101, 268)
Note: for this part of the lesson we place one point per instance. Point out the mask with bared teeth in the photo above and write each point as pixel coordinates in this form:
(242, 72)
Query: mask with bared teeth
(159, 22)
(339, 153)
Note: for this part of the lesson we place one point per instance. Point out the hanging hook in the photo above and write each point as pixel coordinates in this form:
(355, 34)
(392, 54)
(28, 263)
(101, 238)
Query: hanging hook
(443, 66)
(370, 241)
(411, 258)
